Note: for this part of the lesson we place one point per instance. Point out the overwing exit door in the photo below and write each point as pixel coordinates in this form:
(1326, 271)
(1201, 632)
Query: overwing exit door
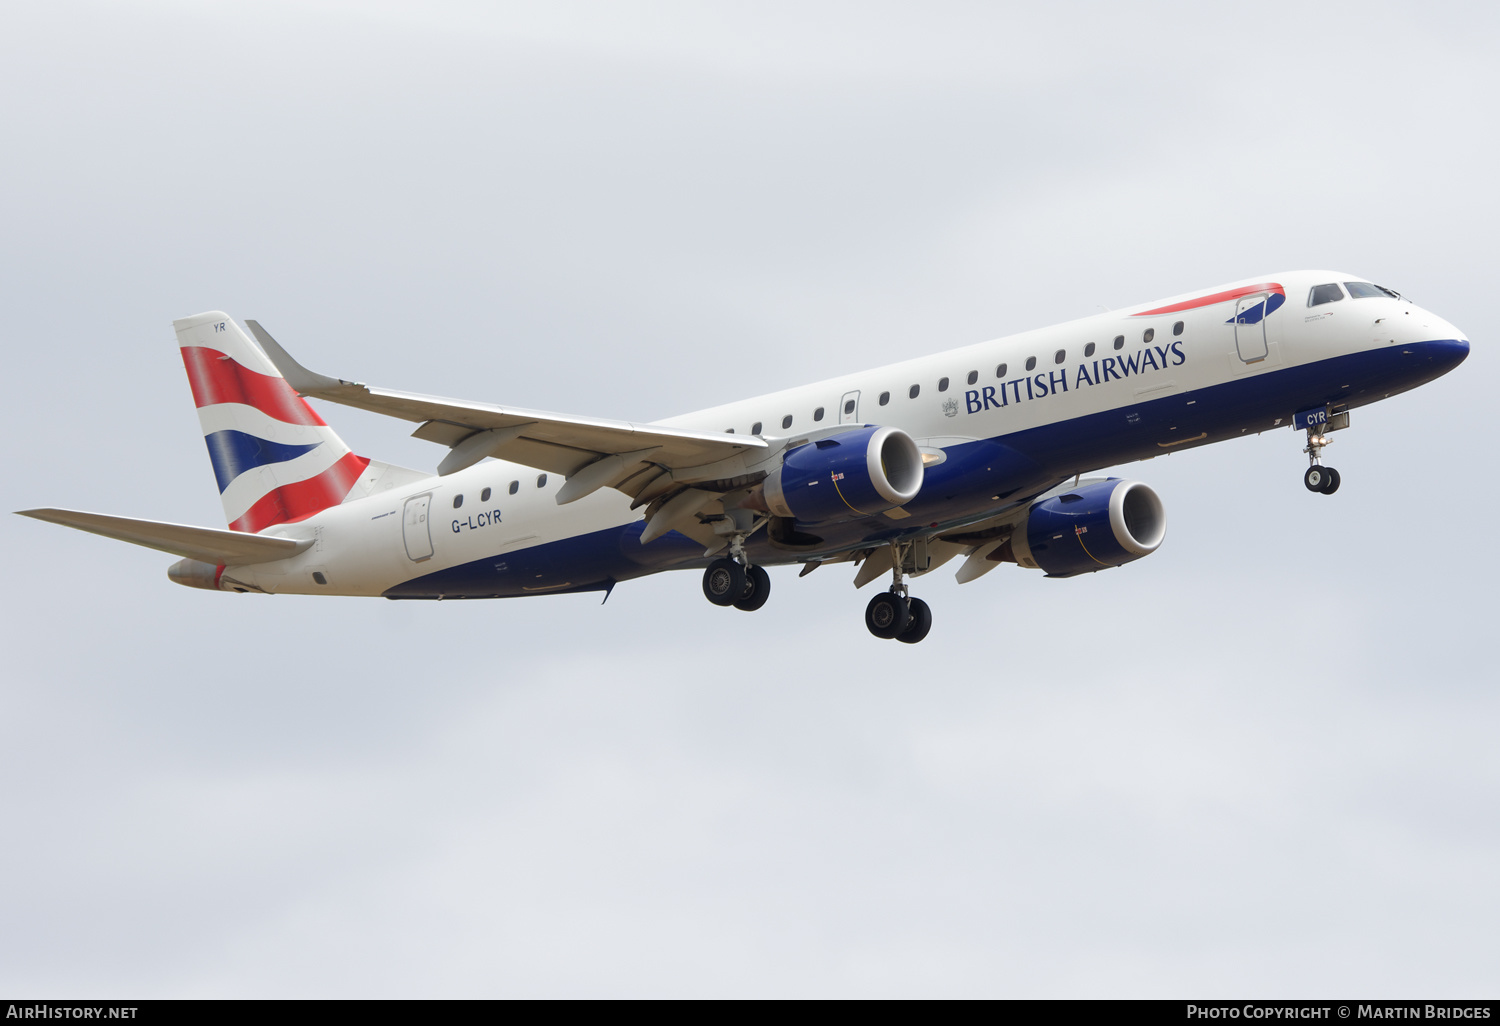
(849, 408)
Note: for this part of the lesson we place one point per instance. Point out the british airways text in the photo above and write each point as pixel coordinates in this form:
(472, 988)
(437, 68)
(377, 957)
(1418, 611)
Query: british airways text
(1039, 386)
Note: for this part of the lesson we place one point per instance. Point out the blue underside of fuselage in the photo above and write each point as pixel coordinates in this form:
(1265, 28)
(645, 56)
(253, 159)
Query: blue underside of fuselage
(966, 485)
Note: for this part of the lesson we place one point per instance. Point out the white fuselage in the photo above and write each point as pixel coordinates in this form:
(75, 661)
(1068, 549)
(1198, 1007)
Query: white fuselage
(1186, 378)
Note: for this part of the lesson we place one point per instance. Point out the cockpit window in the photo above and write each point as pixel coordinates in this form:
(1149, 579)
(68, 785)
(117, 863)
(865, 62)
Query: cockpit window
(1320, 294)
(1364, 290)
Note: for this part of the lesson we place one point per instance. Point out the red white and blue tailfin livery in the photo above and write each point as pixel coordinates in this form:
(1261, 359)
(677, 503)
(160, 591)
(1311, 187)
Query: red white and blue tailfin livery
(976, 453)
(275, 460)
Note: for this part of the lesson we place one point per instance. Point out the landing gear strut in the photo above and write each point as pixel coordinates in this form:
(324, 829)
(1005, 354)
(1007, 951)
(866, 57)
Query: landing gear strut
(732, 581)
(893, 613)
(1318, 477)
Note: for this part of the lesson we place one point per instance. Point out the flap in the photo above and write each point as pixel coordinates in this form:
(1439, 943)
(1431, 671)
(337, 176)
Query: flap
(206, 544)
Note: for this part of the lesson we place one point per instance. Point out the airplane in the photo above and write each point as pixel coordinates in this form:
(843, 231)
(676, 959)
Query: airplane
(979, 452)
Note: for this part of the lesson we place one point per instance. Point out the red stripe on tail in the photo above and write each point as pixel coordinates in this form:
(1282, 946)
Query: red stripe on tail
(303, 499)
(217, 378)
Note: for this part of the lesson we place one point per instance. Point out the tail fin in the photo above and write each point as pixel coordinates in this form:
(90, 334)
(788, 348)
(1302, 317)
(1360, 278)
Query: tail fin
(275, 459)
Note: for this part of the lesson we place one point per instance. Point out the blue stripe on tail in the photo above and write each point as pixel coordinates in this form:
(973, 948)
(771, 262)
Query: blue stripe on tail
(234, 452)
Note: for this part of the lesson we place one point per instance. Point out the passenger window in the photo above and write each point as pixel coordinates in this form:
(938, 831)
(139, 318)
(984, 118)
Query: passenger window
(849, 406)
(818, 414)
(1088, 350)
(942, 384)
(1060, 356)
(912, 392)
(515, 486)
(318, 576)
(541, 481)
(1177, 328)
(1320, 294)
(484, 496)
(1000, 370)
(729, 431)
(1119, 341)
(973, 377)
(1031, 363)
(786, 422)
(1149, 335)
(885, 397)
(755, 428)
(458, 500)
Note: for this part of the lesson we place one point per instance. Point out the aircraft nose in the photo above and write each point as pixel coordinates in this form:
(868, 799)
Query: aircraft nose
(1449, 353)
(1444, 346)
(1445, 354)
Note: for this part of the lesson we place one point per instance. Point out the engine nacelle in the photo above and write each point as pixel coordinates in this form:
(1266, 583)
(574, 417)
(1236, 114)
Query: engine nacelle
(1095, 526)
(857, 473)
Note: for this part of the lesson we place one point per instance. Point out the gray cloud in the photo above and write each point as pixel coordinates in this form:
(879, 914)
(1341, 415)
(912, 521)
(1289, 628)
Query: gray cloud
(1257, 762)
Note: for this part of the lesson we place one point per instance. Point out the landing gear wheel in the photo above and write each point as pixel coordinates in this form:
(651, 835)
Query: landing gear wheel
(919, 624)
(887, 615)
(757, 589)
(1316, 479)
(724, 582)
(1331, 482)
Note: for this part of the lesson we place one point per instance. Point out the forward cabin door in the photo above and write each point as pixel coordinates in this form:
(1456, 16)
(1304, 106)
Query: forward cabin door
(1250, 327)
(849, 408)
(415, 530)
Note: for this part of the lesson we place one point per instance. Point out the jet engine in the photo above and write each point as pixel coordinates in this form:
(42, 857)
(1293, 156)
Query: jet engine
(856, 473)
(1095, 526)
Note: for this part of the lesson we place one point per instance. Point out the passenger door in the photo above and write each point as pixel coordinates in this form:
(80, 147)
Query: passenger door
(1250, 327)
(415, 530)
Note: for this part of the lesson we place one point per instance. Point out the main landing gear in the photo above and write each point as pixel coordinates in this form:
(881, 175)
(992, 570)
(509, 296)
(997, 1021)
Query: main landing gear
(894, 613)
(1318, 477)
(730, 581)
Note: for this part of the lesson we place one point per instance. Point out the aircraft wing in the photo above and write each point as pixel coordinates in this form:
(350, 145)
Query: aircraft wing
(638, 459)
(206, 544)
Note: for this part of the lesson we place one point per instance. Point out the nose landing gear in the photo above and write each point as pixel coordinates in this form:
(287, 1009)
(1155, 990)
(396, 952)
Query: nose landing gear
(1321, 479)
(1318, 477)
(893, 613)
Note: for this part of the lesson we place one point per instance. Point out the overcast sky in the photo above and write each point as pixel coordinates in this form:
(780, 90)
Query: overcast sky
(1260, 762)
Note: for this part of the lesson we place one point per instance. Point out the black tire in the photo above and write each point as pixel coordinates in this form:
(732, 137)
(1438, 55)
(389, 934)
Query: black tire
(757, 589)
(887, 615)
(919, 624)
(723, 582)
(1331, 484)
(1316, 478)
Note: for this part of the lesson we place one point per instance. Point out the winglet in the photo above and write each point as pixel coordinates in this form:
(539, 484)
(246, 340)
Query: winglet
(306, 382)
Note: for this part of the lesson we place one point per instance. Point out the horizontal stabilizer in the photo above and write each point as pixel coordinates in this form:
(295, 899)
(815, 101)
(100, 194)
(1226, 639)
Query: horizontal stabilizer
(207, 544)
